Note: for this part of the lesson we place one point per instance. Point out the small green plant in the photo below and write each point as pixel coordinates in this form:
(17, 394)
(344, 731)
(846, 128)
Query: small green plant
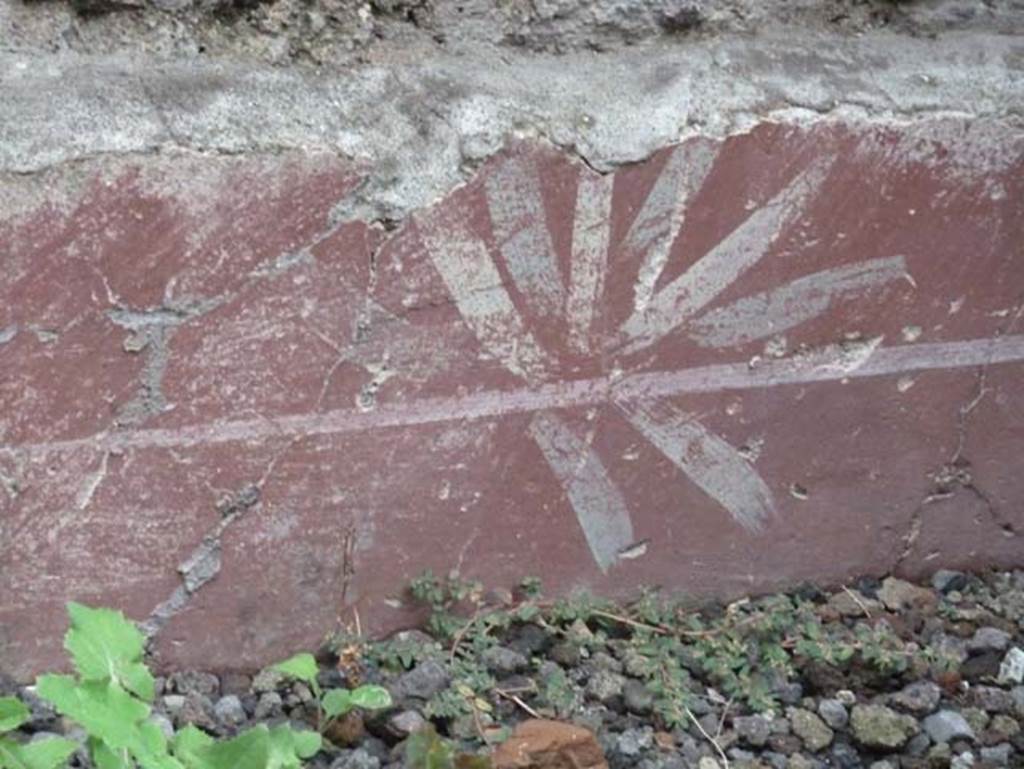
(556, 691)
(45, 754)
(110, 698)
(332, 703)
(401, 653)
(443, 596)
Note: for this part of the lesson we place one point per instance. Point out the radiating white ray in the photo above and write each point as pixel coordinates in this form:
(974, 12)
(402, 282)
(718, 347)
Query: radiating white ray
(658, 223)
(591, 228)
(465, 265)
(521, 228)
(723, 264)
(707, 460)
(771, 312)
(597, 501)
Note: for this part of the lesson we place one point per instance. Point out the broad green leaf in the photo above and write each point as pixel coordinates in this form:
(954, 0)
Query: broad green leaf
(282, 749)
(371, 697)
(103, 709)
(105, 645)
(302, 666)
(426, 750)
(45, 754)
(288, 747)
(307, 743)
(107, 758)
(187, 744)
(337, 702)
(48, 754)
(249, 749)
(10, 757)
(150, 749)
(13, 713)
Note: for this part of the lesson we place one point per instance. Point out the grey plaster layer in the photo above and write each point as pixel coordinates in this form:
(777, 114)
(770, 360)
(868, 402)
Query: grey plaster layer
(421, 129)
(334, 31)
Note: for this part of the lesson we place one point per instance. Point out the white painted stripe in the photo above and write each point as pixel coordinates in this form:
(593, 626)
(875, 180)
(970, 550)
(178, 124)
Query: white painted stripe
(707, 460)
(472, 279)
(521, 228)
(723, 264)
(782, 308)
(657, 225)
(832, 364)
(591, 229)
(598, 503)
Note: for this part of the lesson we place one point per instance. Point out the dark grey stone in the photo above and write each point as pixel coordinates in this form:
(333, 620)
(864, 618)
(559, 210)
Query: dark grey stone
(921, 697)
(947, 725)
(753, 730)
(834, 713)
(637, 697)
(229, 710)
(989, 639)
(503, 661)
(422, 682)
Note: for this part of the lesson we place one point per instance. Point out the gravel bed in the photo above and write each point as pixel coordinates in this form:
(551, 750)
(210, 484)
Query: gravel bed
(950, 695)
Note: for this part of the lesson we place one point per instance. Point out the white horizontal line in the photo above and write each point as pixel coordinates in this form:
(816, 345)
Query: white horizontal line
(823, 367)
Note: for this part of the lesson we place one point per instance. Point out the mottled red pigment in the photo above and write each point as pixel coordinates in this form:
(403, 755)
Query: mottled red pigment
(792, 354)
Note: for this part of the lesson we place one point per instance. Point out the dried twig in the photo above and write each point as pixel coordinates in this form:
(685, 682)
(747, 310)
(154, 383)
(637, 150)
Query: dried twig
(509, 696)
(659, 629)
(721, 721)
(348, 560)
(856, 600)
(462, 634)
(478, 724)
(708, 737)
(721, 629)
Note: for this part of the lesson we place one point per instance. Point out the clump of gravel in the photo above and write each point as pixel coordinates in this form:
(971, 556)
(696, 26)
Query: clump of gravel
(956, 700)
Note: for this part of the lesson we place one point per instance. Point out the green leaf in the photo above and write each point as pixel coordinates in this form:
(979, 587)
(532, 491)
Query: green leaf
(337, 702)
(282, 749)
(288, 747)
(188, 743)
(106, 758)
(307, 743)
(426, 750)
(48, 754)
(302, 666)
(371, 697)
(112, 715)
(104, 645)
(45, 754)
(13, 713)
(250, 749)
(150, 750)
(102, 708)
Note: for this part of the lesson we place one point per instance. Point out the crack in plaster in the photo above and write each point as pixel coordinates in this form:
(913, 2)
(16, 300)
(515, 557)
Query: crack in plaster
(152, 330)
(203, 564)
(956, 472)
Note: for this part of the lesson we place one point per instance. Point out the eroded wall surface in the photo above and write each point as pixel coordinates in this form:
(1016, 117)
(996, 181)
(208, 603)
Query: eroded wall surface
(712, 312)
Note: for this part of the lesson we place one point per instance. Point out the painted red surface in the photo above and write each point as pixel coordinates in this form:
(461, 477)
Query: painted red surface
(794, 354)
